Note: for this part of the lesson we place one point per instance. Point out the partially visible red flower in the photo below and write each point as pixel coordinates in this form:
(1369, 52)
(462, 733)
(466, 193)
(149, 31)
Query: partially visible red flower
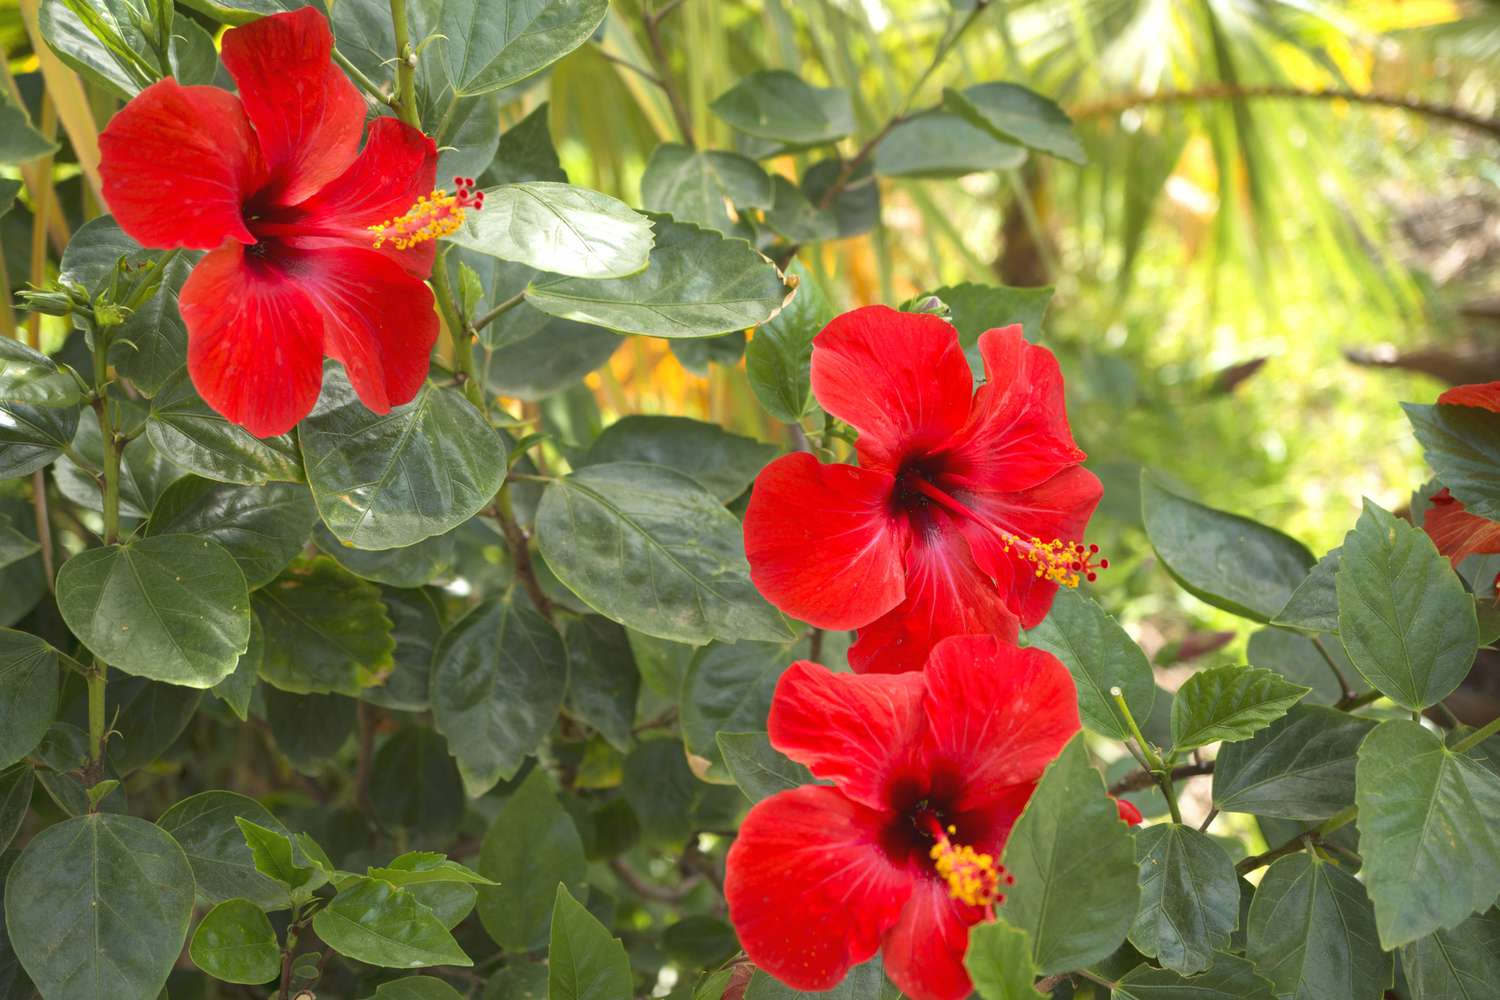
(963, 516)
(1485, 395)
(1128, 812)
(930, 770)
(1457, 533)
(316, 247)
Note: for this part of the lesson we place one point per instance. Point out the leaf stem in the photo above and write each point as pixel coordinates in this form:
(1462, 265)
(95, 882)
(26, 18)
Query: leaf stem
(1157, 766)
(1477, 737)
(1345, 691)
(500, 310)
(363, 82)
(651, 21)
(406, 65)
(1358, 701)
(43, 524)
(520, 550)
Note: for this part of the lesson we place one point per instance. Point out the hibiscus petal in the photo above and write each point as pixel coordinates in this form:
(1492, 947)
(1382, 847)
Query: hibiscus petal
(822, 541)
(306, 113)
(1485, 395)
(378, 320)
(397, 166)
(1017, 434)
(946, 594)
(1457, 533)
(1058, 509)
(996, 714)
(810, 890)
(924, 951)
(900, 378)
(854, 731)
(255, 341)
(177, 163)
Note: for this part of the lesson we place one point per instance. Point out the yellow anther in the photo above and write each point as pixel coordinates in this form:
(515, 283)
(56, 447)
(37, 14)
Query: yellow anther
(972, 877)
(434, 215)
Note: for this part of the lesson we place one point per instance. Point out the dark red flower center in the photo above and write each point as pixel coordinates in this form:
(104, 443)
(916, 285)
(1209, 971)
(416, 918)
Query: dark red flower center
(926, 833)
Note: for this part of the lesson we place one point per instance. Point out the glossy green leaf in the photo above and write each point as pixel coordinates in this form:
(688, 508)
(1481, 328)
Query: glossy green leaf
(999, 962)
(498, 680)
(584, 962)
(416, 988)
(1458, 964)
(491, 44)
(426, 867)
(326, 630)
(728, 686)
(173, 608)
(1014, 113)
(560, 229)
(653, 550)
(191, 51)
(976, 308)
(699, 186)
(1229, 703)
(417, 628)
(16, 785)
(1462, 444)
(698, 284)
(759, 769)
(236, 943)
(1311, 932)
(29, 676)
(778, 359)
(1231, 978)
(1075, 892)
(940, 144)
(775, 104)
(1100, 656)
(194, 436)
(1223, 559)
(1405, 619)
(145, 473)
(27, 376)
(20, 142)
(723, 463)
(1300, 767)
(1190, 897)
(543, 357)
(1297, 658)
(377, 923)
(409, 566)
(382, 482)
(98, 907)
(603, 683)
(310, 729)
(33, 437)
(531, 847)
(1429, 832)
(263, 528)
(274, 856)
(205, 826)
(795, 217)
(414, 784)
(1314, 605)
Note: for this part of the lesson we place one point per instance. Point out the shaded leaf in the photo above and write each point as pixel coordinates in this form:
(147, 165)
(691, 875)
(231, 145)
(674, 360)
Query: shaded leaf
(1100, 656)
(1458, 964)
(759, 769)
(1462, 444)
(205, 826)
(531, 847)
(1014, 113)
(778, 359)
(775, 104)
(236, 943)
(1190, 898)
(723, 463)
(941, 144)
(584, 962)
(263, 528)
(195, 437)
(701, 186)
(1231, 978)
(29, 678)
(1299, 767)
(325, 630)
(414, 784)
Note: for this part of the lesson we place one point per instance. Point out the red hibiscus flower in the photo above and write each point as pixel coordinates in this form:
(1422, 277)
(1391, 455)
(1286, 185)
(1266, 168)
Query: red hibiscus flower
(316, 247)
(930, 769)
(963, 516)
(1457, 533)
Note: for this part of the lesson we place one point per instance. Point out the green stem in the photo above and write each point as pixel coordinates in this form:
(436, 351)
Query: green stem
(1154, 763)
(98, 678)
(500, 310)
(406, 66)
(1338, 820)
(459, 331)
(1345, 691)
(1358, 701)
(362, 81)
(1477, 737)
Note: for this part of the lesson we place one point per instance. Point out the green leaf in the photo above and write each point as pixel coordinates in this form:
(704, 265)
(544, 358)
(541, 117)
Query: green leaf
(16, 785)
(1190, 897)
(309, 728)
(976, 308)
(560, 229)
(33, 437)
(698, 354)
(1462, 444)
(584, 962)
(1429, 832)
(274, 856)
(855, 210)
(147, 717)
(603, 683)
(778, 359)
(1458, 964)
(170, 607)
(498, 679)
(1075, 892)
(1229, 703)
(1100, 656)
(699, 941)
(1314, 605)
(795, 218)
(8, 190)
(729, 687)
(98, 907)
(1014, 113)
(487, 44)
(1404, 617)
(1231, 978)
(376, 923)
(940, 144)
(999, 962)
(698, 284)
(15, 545)
(27, 376)
(29, 676)
(531, 847)
(150, 347)
(197, 438)
(426, 867)
(263, 528)
(326, 630)
(1298, 659)
(723, 463)
(417, 630)
(236, 943)
(1312, 933)
(416, 988)
(145, 473)
(651, 549)
(414, 784)
(408, 567)
(382, 482)
(699, 186)
(759, 769)
(1222, 559)
(19, 141)
(864, 982)
(206, 827)
(545, 356)
(775, 104)
(1299, 767)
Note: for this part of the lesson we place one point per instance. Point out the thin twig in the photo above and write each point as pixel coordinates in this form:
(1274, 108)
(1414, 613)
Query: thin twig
(43, 523)
(1135, 781)
(645, 74)
(1345, 691)
(651, 21)
(641, 887)
(520, 552)
(1297, 843)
